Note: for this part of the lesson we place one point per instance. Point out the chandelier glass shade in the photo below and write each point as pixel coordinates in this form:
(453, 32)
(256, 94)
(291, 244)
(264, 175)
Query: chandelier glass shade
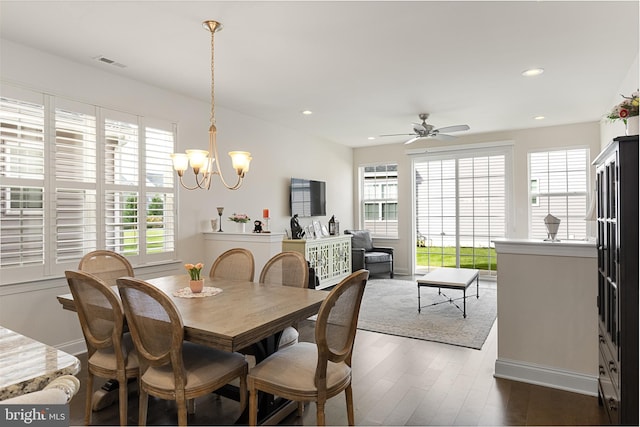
(203, 162)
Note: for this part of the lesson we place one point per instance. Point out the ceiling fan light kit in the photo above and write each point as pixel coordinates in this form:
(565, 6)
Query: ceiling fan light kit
(425, 130)
(203, 162)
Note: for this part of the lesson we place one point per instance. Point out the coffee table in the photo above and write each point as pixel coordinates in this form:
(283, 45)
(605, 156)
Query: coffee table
(450, 278)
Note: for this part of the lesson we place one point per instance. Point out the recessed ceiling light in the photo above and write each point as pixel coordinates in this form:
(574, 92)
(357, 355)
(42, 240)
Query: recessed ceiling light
(371, 138)
(533, 72)
(307, 112)
(538, 118)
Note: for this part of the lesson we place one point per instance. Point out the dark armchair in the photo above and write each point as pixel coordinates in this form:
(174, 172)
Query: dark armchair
(376, 259)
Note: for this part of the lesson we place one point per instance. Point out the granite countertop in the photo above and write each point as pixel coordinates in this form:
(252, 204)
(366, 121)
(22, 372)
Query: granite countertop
(27, 365)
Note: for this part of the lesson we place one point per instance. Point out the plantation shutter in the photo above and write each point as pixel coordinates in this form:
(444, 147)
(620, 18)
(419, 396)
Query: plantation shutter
(75, 201)
(121, 202)
(161, 221)
(558, 186)
(22, 196)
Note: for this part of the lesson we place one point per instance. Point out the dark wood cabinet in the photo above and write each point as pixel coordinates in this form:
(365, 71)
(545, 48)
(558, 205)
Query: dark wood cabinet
(617, 242)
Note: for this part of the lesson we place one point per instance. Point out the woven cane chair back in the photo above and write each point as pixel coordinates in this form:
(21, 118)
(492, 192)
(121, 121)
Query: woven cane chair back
(286, 268)
(234, 264)
(110, 354)
(107, 265)
(154, 321)
(337, 321)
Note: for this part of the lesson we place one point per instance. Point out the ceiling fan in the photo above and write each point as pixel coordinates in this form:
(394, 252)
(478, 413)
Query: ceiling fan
(425, 130)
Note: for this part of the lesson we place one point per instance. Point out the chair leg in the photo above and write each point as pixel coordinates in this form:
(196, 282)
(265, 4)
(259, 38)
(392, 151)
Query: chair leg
(253, 407)
(348, 393)
(181, 403)
(142, 406)
(320, 413)
(243, 392)
(87, 406)
(191, 406)
(300, 409)
(123, 397)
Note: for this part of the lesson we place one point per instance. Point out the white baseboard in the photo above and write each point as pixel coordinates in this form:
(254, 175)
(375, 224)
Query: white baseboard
(73, 347)
(547, 377)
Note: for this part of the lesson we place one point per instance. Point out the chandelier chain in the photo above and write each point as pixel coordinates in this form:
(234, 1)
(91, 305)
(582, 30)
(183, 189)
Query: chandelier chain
(213, 96)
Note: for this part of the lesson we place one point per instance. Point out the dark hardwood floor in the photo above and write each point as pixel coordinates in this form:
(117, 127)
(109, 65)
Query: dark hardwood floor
(399, 381)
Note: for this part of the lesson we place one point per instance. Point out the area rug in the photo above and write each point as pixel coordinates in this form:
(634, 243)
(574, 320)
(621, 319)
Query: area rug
(391, 307)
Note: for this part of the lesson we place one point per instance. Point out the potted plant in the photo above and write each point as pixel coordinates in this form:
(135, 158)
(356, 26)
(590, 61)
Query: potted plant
(627, 111)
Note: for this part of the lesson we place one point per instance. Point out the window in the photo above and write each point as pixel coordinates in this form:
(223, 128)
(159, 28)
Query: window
(72, 181)
(461, 205)
(558, 186)
(379, 204)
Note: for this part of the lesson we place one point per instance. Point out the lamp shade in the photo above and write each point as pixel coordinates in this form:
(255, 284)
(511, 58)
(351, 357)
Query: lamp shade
(240, 161)
(180, 161)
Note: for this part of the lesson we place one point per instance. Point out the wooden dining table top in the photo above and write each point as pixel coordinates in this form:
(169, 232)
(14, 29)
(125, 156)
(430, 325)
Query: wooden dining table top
(242, 314)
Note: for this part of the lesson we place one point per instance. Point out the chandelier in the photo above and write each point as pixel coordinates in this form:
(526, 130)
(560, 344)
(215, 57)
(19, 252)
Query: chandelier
(202, 161)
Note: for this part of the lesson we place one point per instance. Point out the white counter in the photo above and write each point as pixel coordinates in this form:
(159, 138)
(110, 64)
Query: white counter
(547, 313)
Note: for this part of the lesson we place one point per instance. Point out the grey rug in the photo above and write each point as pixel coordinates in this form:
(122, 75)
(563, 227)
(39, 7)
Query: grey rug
(391, 307)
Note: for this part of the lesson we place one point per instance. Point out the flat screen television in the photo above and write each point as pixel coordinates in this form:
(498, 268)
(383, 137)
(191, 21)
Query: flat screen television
(308, 197)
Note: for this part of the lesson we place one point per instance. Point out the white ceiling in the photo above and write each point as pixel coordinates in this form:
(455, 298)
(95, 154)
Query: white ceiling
(364, 68)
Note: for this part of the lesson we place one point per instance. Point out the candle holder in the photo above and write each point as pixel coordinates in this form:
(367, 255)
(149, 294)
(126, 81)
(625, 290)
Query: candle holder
(265, 217)
(220, 210)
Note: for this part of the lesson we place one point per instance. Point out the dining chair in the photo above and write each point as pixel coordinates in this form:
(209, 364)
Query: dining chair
(234, 264)
(286, 268)
(316, 372)
(107, 265)
(171, 368)
(110, 351)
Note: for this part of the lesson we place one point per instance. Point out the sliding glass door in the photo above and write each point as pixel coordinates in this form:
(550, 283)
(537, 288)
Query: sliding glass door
(460, 207)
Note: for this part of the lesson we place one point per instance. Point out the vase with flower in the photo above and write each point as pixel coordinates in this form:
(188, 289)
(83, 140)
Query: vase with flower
(196, 284)
(241, 220)
(627, 111)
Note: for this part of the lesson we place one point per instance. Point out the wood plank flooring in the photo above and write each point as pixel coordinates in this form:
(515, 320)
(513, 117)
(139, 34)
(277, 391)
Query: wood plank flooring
(399, 381)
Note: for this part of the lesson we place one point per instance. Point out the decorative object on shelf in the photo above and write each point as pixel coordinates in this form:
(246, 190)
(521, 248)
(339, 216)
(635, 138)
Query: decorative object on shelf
(220, 210)
(317, 229)
(552, 223)
(627, 111)
(201, 161)
(334, 226)
(241, 220)
(257, 226)
(296, 230)
(196, 283)
(265, 222)
(214, 224)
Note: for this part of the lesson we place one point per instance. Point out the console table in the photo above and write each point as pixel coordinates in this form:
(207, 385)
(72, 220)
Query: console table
(262, 245)
(330, 256)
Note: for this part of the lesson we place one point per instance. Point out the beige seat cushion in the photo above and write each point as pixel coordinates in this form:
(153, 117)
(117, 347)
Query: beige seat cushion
(289, 337)
(106, 359)
(198, 365)
(294, 368)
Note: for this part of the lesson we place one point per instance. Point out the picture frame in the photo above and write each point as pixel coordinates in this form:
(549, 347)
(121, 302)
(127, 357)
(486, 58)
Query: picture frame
(325, 231)
(317, 229)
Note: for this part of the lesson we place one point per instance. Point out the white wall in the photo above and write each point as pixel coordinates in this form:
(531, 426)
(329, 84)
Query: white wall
(578, 135)
(278, 154)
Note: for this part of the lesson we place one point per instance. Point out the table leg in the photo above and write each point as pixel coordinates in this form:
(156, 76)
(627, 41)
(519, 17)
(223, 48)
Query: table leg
(418, 298)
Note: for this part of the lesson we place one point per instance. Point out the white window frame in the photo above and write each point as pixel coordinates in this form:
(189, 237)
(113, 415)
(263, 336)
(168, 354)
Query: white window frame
(49, 267)
(564, 233)
(390, 226)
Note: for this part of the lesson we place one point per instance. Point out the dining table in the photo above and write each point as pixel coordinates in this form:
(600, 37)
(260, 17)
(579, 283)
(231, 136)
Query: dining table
(239, 315)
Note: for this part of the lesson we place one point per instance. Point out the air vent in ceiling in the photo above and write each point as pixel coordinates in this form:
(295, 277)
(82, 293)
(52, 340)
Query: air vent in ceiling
(108, 61)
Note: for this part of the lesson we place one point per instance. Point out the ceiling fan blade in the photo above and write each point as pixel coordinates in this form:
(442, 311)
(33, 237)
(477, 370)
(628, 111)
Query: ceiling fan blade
(413, 140)
(399, 134)
(456, 128)
(442, 136)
